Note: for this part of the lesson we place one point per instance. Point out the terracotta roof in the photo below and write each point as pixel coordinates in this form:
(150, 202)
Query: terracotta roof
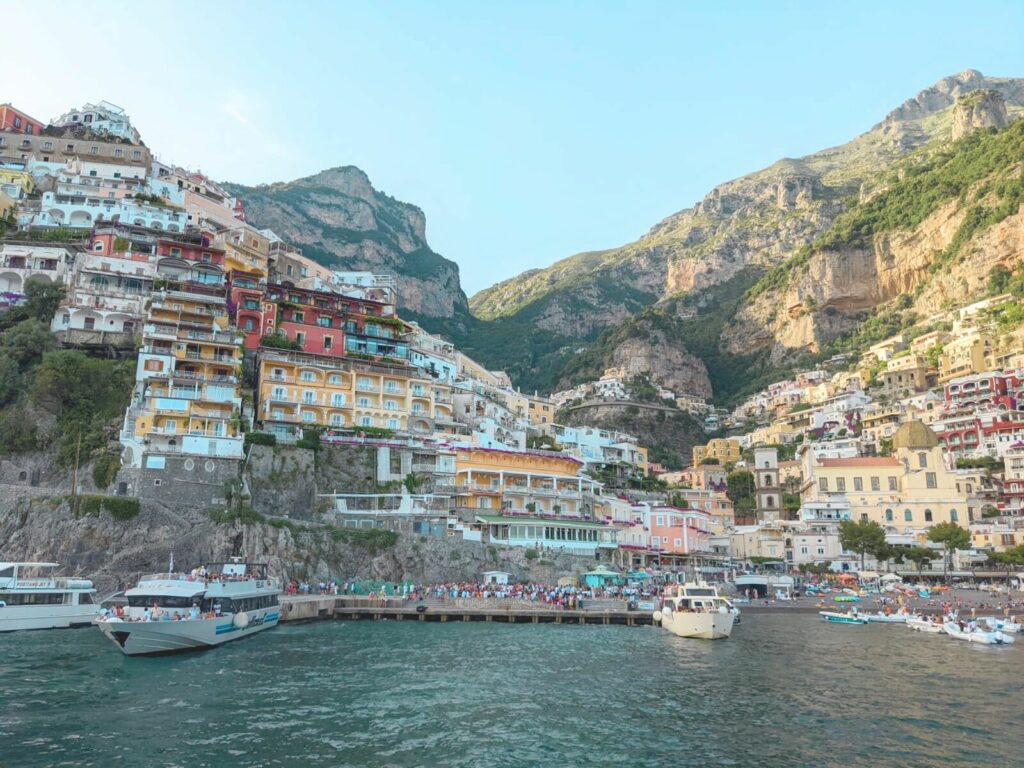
(862, 461)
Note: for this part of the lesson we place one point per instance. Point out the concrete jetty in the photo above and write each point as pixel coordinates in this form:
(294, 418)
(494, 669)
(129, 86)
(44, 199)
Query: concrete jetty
(319, 607)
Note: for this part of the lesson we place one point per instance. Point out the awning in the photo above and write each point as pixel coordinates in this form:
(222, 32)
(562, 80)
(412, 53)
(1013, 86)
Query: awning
(868, 574)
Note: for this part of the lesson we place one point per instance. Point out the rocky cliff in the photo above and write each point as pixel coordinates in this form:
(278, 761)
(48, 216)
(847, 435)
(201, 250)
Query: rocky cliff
(757, 222)
(339, 219)
(929, 239)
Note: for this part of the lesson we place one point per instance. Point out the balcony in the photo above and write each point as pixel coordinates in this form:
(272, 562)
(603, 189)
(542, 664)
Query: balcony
(394, 391)
(366, 387)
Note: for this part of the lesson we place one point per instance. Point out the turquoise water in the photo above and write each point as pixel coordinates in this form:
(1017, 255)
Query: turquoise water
(784, 691)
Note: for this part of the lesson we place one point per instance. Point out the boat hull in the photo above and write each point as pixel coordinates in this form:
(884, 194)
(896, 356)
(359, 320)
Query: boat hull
(704, 626)
(923, 625)
(842, 618)
(20, 617)
(147, 638)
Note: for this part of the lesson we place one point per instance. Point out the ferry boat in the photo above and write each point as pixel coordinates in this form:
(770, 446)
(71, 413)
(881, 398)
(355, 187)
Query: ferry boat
(33, 597)
(696, 610)
(212, 605)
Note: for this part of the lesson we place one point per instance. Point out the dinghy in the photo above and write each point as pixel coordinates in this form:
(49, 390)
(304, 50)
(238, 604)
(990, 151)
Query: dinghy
(842, 618)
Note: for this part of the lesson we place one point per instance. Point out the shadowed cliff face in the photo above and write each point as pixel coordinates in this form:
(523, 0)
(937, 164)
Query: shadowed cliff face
(337, 218)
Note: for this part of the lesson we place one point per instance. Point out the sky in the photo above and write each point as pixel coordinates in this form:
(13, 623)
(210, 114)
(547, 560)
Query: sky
(526, 131)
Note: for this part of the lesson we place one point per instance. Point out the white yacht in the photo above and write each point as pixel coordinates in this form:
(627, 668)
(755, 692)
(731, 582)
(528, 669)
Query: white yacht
(212, 605)
(696, 610)
(33, 597)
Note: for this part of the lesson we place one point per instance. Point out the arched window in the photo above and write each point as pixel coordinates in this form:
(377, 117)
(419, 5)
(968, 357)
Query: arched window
(908, 515)
(954, 515)
(769, 501)
(888, 515)
(927, 515)
(250, 324)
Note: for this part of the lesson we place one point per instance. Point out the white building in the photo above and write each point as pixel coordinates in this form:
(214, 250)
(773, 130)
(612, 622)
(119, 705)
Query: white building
(100, 117)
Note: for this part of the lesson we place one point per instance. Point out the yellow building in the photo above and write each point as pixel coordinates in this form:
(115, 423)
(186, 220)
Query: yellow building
(964, 356)
(187, 398)
(246, 249)
(523, 482)
(297, 389)
(22, 180)
(7, 206)
(909, 491)
(726, 449)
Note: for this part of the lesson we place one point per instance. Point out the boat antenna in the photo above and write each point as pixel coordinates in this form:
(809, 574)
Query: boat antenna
(170, 567)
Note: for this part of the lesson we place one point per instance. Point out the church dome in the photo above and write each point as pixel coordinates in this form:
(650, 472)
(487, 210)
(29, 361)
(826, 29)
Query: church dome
(914, 435)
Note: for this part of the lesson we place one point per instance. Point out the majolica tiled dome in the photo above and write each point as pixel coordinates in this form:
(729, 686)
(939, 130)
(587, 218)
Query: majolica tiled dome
(914, 435)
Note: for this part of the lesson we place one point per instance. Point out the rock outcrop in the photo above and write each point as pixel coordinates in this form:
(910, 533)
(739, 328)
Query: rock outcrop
(666, 361)
(337, 218)
(984, 108)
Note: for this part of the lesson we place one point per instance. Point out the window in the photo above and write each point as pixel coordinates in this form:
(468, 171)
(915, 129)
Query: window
(858, 484)
(767, 478)
(300, 337)
(803, 550)
(334, 379)
(893, 485)
(47, 145)
(363, 402)
(328, 342)
(136, 154)
(659, 520)
(655, 541)
(308, 416)
(823, 484)
(70, 148)
(324, 320)
(769, 502)
(176, 252)
(888, 515)
(876, 484)
(366, 421)
(250, 324)
(207, 258)
(298, 316)
(309, 397)
(118, 153)
(90, 323)
(279, 393)
(930, 480)
(393, 424)
(391, 405)
(94, 150)
(927, 515)
(17, 122)
(337, 399)
(954, 515)
(922, 460)
(908, 516)
(308, 376)
(841, 484)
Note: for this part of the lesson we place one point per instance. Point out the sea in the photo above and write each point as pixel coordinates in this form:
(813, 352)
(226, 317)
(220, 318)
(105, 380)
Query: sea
(785, 690)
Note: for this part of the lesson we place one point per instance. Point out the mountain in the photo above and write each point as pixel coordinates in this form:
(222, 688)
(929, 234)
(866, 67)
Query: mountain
(339, 219)
(743, 233)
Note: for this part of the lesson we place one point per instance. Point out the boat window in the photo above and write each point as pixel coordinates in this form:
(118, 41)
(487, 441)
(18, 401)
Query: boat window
(164, 601)
(7, 572)
(224, 603)
(29, 598)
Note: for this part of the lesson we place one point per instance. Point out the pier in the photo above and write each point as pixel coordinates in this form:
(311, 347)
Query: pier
(318, 607)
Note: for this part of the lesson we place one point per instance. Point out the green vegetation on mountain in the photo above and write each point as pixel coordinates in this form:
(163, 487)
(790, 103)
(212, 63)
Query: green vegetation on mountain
(918, 186)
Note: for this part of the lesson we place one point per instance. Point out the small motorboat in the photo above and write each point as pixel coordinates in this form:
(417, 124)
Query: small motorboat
(846, 599)
(977, 635)
(842, 618)
(922, 624)
(992, 623)
(885, 618)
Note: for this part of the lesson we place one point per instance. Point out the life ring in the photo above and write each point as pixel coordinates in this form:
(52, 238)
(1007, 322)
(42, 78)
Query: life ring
(241, 620)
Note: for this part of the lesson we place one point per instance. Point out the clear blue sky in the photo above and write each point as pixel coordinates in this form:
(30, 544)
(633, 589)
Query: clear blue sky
(526, 131)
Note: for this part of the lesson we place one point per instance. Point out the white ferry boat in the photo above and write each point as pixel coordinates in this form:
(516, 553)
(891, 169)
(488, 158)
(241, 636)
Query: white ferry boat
(212, 605)
(696, 610)
(32, 597)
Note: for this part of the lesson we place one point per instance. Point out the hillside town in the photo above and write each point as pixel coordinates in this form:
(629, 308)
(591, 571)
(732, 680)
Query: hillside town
(244, 343)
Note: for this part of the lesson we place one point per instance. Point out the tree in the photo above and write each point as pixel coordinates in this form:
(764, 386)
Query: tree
(919, 556)
(10, 380)
(26, 343)
(709, 461)
(740, 488)
(952, 537)
(42, 299)
(862, 537)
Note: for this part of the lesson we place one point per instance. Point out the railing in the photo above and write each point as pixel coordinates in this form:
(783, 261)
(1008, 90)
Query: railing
(366, 387)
